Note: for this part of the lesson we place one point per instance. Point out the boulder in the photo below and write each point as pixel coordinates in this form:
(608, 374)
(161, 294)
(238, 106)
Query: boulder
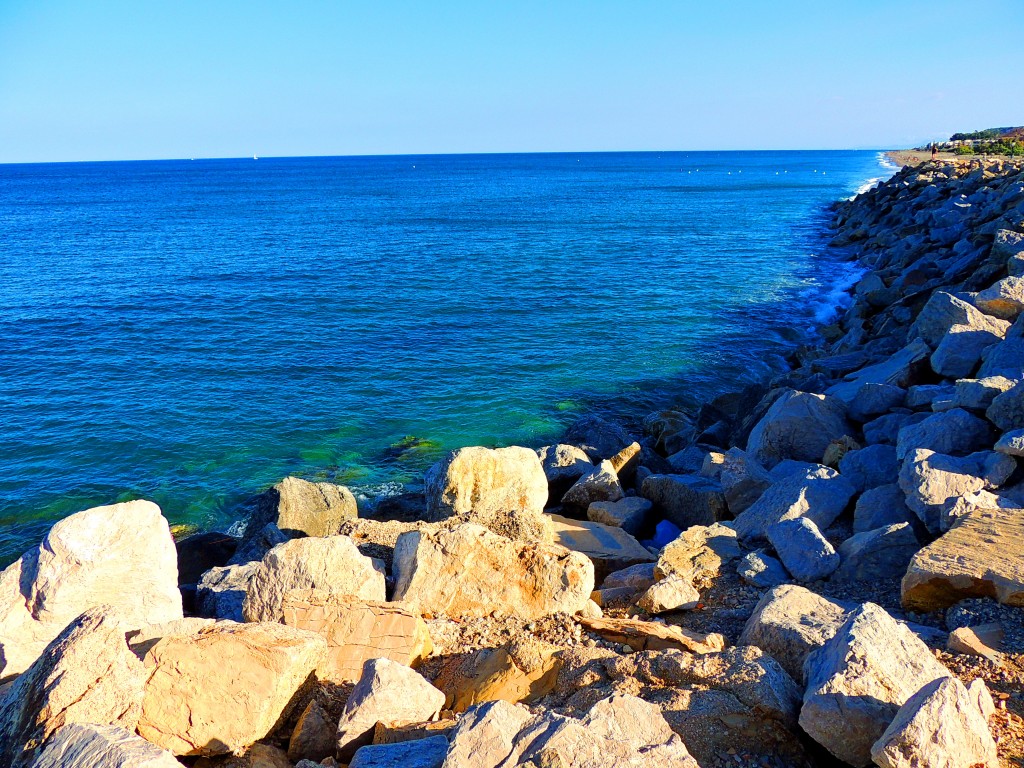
(257, 544)
(470, 571)
(872, 400)
(239, 682)
(85, 675)
(673, 593)
(858, 680)
(802, 549)
(885, 429)
(334, 564)
(699, 552)
(357, 630)
(563, 465)
(609, 548)
(1008, 245)
(313, 737)
(504, 489)
(629, 514)
(900, 370)
(1011, 443)
(743, 480)
(819, 494)
(625, 462)
(422, 753)
(600, 484)
(799, 425)
(386, 692)
(983, 640)
(978, 557)
(221, 591)
(1005, 358)
(121, 556)
(1007, 409)
(1004, 299)
(485, 734)
(789, 623)
(637, 577)
(870, 467)
(760, 569)
(943, 311)
(955, 433)
(922, 396)
(959, 353)
(685, 500)
(933, 481)
(599, 438)
(978, 394)
(940, 725)
(878, 555)
(79, 745)
(301, 508)
(881, 506)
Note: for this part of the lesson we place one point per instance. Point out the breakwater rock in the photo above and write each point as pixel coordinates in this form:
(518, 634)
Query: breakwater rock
(825, 567)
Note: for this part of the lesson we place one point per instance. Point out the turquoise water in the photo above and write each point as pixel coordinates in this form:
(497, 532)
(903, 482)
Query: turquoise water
(191, 332)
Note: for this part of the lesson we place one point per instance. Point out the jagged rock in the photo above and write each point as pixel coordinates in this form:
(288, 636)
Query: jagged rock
(86, 674)
(858, 680)
(652, 636)
(941, 726)
(879, 507)
(600, 439)
(955, 433)
(931, 481)
(870, 467)
(389, 692)
(313, 737)
(1007, 409)
(470, 571)
(878, 555)
(802, 549)
(504, 489)
(943, 311)
(422, 753)
(239, 682)
(743, 480)
(1005, 358)
(254, 547)
(761, 570)
(1011, 443)
(121, 556)
(872, 400)
(608, 548)
(333, 563)
(522, 670)
(820, 494)
(789, 623)
(978, 557)
(959, 353)
(79, 745)
(685, 500)
(689, 461)
(699, 552)
(899, 369)
(629, 514)
(1009, 245)
(978, 394)
(799, 425)
(563, 465)
(357, 630)
(485, 734)
(1004, 299)
(600, 484)
(221, 591)
(301, 508)
(673, 593)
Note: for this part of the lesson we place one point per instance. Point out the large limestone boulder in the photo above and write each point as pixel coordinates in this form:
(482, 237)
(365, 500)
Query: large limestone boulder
(801, 547)
(470, 571)
(504, 489)
(86, 675)
(790, 622)
(940, 726)
(334, 564)
(301, 508)
(563, 465)
(629, 514)
(960, 351)
(608, 548)
(699, 552)
(944, 310)
(421, 753)
(78, 745)
(1004, 299)
(858, 680)
(685, 500)
(955, 432)
(386, 692)
(879, 555)
(485, 735)
(601, 439)
(121, 556)
(799, 425)
(357, 630)
(979, 557)
(225, 687)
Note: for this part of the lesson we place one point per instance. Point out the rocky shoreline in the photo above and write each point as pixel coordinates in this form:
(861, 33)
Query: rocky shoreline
(833, 568)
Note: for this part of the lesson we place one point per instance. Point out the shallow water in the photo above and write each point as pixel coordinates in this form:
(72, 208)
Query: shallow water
(192, 331)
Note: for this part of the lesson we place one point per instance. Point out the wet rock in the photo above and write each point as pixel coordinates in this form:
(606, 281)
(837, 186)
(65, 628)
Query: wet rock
(762, 570)
(79, 745)
(300, 508)
(685, 500)
(878, 555)
(802, 549)
(629, 514)
(870, 467)
(879, 507)
(799, 425)
(955, 433)
(600, 484)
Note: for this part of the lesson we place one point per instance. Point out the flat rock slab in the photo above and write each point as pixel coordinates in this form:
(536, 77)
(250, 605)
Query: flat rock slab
(609, 548)
(357, 630)
(652, 635)
(979, 557)
(78, 745)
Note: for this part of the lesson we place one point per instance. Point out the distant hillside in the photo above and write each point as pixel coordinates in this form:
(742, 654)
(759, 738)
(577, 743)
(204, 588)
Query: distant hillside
(990, 134)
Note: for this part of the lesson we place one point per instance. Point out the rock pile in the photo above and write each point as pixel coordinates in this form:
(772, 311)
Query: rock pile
(824, 568)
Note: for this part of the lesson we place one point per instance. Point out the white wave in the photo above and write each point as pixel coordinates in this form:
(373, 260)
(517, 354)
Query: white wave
(886, 163)
(828, 301)
(374, 493)
(869, 184)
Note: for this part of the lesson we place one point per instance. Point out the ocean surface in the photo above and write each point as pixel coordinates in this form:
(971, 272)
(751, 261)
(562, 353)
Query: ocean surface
(190, 332)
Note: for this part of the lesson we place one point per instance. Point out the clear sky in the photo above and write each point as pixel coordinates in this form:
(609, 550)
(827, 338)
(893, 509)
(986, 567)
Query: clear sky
(120, 79)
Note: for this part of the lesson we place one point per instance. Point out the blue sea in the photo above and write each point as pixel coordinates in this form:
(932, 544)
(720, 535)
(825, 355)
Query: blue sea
(192, 331)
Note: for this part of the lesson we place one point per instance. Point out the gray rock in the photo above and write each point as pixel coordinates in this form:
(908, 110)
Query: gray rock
(222, 591)
(600, 439)
(881, 506)
(1009, 245)
(955, 433)
(81, 745)
(885, 429)
(563, 465)
(743, 480)
(899, 369)
(673, 593)
(799, 425)
(1004, 299)
(923, 395)
(255, 546)
(300, 508)
(943, 311)
(959, 353)
(688, 461)
(872, 400)
(819, 494)
(1011, 443)
(421, 753)
(858, 680)
(878, 555)
(1007, 409)
(638, 577)
(802, 549)
(978, 394)
(685, 500)
(629, 514)
(870, 467)
(760, 569)
(600, 484)
(1004, 359)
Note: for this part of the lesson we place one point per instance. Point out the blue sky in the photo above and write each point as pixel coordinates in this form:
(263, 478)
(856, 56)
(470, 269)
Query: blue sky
(119, 80)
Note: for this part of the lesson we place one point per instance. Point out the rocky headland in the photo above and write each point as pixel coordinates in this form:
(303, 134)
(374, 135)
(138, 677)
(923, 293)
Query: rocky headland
(824, 569)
